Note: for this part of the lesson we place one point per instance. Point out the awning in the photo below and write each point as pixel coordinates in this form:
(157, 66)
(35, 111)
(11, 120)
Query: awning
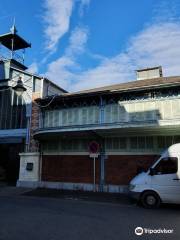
(11, 140)
(55, 133)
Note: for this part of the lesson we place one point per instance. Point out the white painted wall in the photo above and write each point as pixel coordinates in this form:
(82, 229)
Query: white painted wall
(24, 174)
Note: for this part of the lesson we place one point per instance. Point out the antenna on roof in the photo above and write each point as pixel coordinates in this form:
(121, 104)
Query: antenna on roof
(13, 28)
(14, 20)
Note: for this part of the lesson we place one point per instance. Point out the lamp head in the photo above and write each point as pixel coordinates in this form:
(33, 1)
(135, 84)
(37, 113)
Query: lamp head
(19, 87)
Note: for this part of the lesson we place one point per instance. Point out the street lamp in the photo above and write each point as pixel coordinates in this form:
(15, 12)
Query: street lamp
(19, 87)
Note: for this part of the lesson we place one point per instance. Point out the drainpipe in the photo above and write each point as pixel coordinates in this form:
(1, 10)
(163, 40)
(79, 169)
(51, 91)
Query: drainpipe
(102, 150)
(28, 127)
(29, 119)
(40, 162)
(102, 165)
(28, 133)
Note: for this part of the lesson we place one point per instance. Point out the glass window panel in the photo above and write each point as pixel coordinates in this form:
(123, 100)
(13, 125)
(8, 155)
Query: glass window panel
(115, 143)
(176, 139)
(63, 144)
(56, 118)
(166, 109)
(90, 114)
(108, 113)
(70, 145)
(122, 113)
(123, 143)
(75, 145)
(36, 85)
(133, 143)
(84, 115)
(50, 119)
(114, 112)
(75, 116)
(159, 110)
(169, 141)
(53, 146)
(141, 142)
(70, 115)
(149, 142)
(175, 108)
(139, 111)
(109, 144)
(45, 146)
(167, 165)
(96, 114)
(64, 117)
(84, 144)
(161, 142)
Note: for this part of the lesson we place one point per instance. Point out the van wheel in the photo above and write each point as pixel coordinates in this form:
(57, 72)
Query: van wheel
(150, 199)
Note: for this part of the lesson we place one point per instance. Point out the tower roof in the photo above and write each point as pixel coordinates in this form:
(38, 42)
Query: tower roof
(18, 42)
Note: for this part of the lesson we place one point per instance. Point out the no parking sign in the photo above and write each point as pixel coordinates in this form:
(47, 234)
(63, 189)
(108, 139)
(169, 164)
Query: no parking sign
(94, 149)
(93, 153)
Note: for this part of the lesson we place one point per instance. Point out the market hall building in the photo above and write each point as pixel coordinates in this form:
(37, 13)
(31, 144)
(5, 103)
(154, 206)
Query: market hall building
(131, 122)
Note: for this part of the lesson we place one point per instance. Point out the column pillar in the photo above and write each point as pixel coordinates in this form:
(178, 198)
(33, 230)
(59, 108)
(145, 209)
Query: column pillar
(29, 173)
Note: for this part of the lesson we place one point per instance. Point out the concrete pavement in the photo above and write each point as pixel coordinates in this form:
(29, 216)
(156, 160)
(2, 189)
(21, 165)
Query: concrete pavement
(12, 190)
(30, 217)
(80, 195)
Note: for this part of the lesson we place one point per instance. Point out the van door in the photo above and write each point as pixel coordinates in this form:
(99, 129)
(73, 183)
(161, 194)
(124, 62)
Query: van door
(166, 180)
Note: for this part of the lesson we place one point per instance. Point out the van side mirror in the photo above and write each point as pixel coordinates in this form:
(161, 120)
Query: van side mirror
(152, 171)
(140, 170)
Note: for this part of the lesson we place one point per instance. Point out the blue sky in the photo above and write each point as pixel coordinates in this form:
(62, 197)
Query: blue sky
(83, 44)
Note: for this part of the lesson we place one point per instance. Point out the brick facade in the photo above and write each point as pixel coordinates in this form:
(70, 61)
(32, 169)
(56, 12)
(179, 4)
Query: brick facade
(34, 145)
(77, 169)
(119, 170)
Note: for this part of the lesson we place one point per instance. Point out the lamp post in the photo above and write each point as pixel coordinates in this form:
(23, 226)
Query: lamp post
(19, 87)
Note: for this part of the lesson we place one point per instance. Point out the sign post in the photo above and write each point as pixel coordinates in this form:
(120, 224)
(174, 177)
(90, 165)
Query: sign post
(94, 153)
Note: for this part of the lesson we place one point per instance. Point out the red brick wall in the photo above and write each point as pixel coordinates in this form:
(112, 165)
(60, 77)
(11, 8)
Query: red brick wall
(34, 123)
(77, 169)
(120, 170)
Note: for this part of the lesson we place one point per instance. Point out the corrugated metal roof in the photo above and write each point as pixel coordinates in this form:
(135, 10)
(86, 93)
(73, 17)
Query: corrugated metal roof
(133, 85)
(138, 85)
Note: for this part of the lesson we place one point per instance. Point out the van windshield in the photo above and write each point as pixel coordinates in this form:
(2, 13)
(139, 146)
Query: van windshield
(167, 165)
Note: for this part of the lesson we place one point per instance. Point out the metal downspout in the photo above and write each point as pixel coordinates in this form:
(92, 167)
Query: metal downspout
(102, 150)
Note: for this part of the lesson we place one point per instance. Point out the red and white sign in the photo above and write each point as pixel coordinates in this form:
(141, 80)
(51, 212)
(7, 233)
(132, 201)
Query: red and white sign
(94, 147)
(93, 155)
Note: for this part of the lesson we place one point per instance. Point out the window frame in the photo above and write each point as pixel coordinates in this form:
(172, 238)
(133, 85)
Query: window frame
(165, 173)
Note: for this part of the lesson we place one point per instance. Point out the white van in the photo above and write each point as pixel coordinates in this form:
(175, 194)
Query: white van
(161, 183)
